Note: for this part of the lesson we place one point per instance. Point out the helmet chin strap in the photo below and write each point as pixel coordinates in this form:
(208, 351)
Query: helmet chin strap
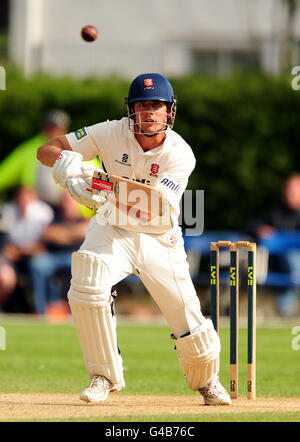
(149, 136)
(132, 124)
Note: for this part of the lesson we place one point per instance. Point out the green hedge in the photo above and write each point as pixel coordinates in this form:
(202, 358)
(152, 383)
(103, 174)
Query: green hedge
(25, 101)
(244, 131)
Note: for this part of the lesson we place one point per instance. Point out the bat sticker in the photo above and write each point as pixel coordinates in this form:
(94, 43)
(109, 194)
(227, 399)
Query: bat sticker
(106, 186)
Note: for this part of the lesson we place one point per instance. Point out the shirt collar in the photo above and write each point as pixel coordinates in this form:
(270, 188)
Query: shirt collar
(165, 146)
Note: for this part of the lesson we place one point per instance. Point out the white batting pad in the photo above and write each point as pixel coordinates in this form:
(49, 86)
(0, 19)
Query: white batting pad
(198, 355)
(91, 305)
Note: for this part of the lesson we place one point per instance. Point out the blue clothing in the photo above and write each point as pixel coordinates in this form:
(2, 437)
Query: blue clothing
(43, 268)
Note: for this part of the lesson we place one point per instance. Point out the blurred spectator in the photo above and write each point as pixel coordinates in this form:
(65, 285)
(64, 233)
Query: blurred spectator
(22, 224)
(63, 236)
(8, 279)
(20, 167)
(285, 217)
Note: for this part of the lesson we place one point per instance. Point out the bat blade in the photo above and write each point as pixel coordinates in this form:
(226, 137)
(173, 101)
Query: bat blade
(144, 199)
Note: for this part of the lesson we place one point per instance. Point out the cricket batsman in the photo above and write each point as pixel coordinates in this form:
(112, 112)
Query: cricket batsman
(143, 148)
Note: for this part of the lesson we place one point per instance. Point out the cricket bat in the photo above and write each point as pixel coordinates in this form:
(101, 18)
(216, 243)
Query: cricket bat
(138, 199)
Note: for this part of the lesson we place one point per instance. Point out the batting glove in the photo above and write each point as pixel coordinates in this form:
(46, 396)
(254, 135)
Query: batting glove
(87, 172)
(82, 193)
(67, 165)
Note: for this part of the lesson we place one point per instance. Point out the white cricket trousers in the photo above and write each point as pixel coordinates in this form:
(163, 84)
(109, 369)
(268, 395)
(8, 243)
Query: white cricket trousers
(159, 260)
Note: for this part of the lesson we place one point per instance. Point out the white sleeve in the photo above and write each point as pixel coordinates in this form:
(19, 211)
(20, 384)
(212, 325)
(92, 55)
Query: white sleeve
(83, 140)
(173, 181)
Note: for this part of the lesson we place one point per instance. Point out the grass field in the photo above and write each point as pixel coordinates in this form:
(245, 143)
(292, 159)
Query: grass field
(43, 359)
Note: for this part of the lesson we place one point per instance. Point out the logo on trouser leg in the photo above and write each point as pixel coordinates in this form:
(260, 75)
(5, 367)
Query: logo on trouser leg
(172, 240)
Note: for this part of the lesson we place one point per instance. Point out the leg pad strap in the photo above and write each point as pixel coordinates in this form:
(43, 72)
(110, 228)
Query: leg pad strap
(198, 354)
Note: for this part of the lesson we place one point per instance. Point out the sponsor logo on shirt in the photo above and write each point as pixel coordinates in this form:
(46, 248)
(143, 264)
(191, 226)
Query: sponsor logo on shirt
(124, 160)
(143, 180)
(80, 133)
(170, 184)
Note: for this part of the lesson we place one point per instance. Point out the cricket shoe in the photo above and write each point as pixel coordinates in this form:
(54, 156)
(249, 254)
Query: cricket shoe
(215, 393)
(98, 390)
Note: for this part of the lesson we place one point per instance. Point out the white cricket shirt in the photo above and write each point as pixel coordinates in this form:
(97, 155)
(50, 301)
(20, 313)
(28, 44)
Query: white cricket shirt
(166, 167)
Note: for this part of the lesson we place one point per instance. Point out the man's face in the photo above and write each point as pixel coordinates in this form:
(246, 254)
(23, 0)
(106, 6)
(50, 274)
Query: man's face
(150, 116)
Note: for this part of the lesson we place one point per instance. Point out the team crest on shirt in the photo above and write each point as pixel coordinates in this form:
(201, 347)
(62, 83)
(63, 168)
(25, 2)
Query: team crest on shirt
(80, 133)
(154, 169)
(172, 240)
(148, 83)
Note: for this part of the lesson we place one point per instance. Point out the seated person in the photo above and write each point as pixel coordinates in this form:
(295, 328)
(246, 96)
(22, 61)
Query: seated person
(22, 223)
(284, 217)
(20, 167)
(63, 236)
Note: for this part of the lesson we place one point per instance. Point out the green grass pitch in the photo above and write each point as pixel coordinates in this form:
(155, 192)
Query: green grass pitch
(43, 357)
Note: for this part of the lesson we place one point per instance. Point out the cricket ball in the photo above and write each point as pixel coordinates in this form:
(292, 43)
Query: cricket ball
(89, 33)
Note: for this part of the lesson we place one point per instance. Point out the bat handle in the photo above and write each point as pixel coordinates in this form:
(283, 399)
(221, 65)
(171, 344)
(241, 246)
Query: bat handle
(116, 189)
